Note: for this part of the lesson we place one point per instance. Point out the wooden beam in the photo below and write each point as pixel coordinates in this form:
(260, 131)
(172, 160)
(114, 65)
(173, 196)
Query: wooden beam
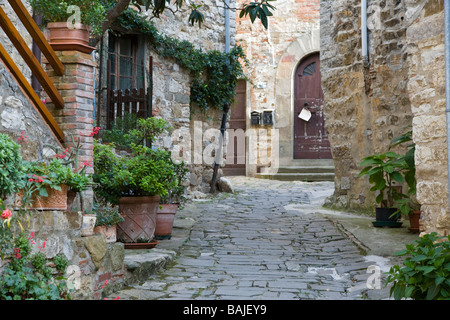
(30, 59)
(20, 78)
(37, 35)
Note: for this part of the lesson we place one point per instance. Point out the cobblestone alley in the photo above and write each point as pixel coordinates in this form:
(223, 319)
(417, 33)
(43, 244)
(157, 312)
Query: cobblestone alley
(266, 241)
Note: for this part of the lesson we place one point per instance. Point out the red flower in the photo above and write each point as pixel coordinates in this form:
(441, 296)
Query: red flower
(17, 253)
(6, 214)
(94, 131)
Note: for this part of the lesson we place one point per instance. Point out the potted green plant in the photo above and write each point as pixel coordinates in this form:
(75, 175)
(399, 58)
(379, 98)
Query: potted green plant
(383, 171)
(409, 205)
(108, 217)
(11, 166)
(170, 202)
(71, 22)
(79, 179)
(425, 274)
(45, 185)
(136, 181)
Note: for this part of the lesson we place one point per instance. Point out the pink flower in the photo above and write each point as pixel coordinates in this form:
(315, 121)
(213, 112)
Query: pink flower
(17, 253)
(87, 164)
(94, 131)
(6, 214)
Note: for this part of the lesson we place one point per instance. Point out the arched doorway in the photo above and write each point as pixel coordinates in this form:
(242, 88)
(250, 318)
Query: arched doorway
(310, 138)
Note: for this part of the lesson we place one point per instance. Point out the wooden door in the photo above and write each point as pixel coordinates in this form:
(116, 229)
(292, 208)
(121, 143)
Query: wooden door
(310, 138)
(235, 157)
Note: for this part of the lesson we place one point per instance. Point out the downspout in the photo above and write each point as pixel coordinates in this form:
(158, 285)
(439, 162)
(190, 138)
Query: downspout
(226, 108)
(365, 51)
(447, 81)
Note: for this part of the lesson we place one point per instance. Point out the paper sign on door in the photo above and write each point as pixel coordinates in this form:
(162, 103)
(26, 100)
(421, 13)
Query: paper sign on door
(305, 115)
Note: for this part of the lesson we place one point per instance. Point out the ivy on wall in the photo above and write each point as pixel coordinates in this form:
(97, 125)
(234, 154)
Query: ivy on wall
(214, 74)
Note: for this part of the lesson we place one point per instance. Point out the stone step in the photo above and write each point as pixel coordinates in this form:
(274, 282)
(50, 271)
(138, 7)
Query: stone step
(303, 176)
(307, 169)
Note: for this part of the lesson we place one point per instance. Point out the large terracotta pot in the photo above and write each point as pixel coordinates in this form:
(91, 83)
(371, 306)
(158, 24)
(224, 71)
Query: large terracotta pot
(165, 216)
(139, 215)
(62, 38)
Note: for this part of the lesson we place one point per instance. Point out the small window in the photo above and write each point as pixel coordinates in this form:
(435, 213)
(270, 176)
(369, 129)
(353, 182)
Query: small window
(125, 71)
(309, 70)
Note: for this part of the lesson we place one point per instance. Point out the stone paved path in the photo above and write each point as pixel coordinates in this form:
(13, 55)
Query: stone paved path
(264, 242)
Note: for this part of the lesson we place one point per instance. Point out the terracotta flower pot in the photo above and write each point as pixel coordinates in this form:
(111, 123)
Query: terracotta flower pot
(62, 38)
(56, 200)
(139, 215)
(414, 222)
(165, 216)
(110, 233)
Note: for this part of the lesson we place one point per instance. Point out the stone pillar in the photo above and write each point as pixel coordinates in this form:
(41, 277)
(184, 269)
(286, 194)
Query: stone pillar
(76, 119)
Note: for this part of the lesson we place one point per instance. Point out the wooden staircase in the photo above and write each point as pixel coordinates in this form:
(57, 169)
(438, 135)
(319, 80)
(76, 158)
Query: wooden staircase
(21, 46)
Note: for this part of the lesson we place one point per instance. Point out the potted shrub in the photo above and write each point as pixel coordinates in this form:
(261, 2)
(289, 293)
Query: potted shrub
(11, 166)
(135, 182)
(45, 185)
(383, 170)
(59, 17)
(409, 205)
(79, 180)
(168, 207)
(108, 217)
(425, 272)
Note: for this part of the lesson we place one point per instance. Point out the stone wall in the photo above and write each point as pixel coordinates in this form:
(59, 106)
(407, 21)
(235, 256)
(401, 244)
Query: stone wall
(426, 89)
(365, 107)
(96, 268)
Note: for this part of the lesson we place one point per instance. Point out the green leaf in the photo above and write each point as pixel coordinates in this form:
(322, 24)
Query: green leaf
(419, 258)
(397, 177)
(433, 290)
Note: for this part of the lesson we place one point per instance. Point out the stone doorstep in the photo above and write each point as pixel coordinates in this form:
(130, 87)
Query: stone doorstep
(141, 264)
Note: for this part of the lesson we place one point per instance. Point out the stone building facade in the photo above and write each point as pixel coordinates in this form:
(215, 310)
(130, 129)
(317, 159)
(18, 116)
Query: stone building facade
(171, 86)
(402, 87)
(275, 53)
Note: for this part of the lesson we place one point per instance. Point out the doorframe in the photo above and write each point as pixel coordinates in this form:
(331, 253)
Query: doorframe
(300, 48)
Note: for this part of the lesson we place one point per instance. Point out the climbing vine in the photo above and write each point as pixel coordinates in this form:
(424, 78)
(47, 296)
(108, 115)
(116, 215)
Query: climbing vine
(214, 74)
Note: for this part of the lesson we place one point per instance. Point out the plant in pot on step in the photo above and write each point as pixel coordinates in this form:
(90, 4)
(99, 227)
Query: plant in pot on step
(80, 180)
(60, 18)
(409, 205)
(45, 185)
(136, 182)
(108, 217)
(383, 171)
(168, 207)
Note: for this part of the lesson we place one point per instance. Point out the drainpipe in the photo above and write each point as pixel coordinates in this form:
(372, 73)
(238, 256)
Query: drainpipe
(365, 51)
(447, 81)
(226, 108)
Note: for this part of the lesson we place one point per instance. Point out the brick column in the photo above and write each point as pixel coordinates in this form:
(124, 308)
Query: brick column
(76, 87)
